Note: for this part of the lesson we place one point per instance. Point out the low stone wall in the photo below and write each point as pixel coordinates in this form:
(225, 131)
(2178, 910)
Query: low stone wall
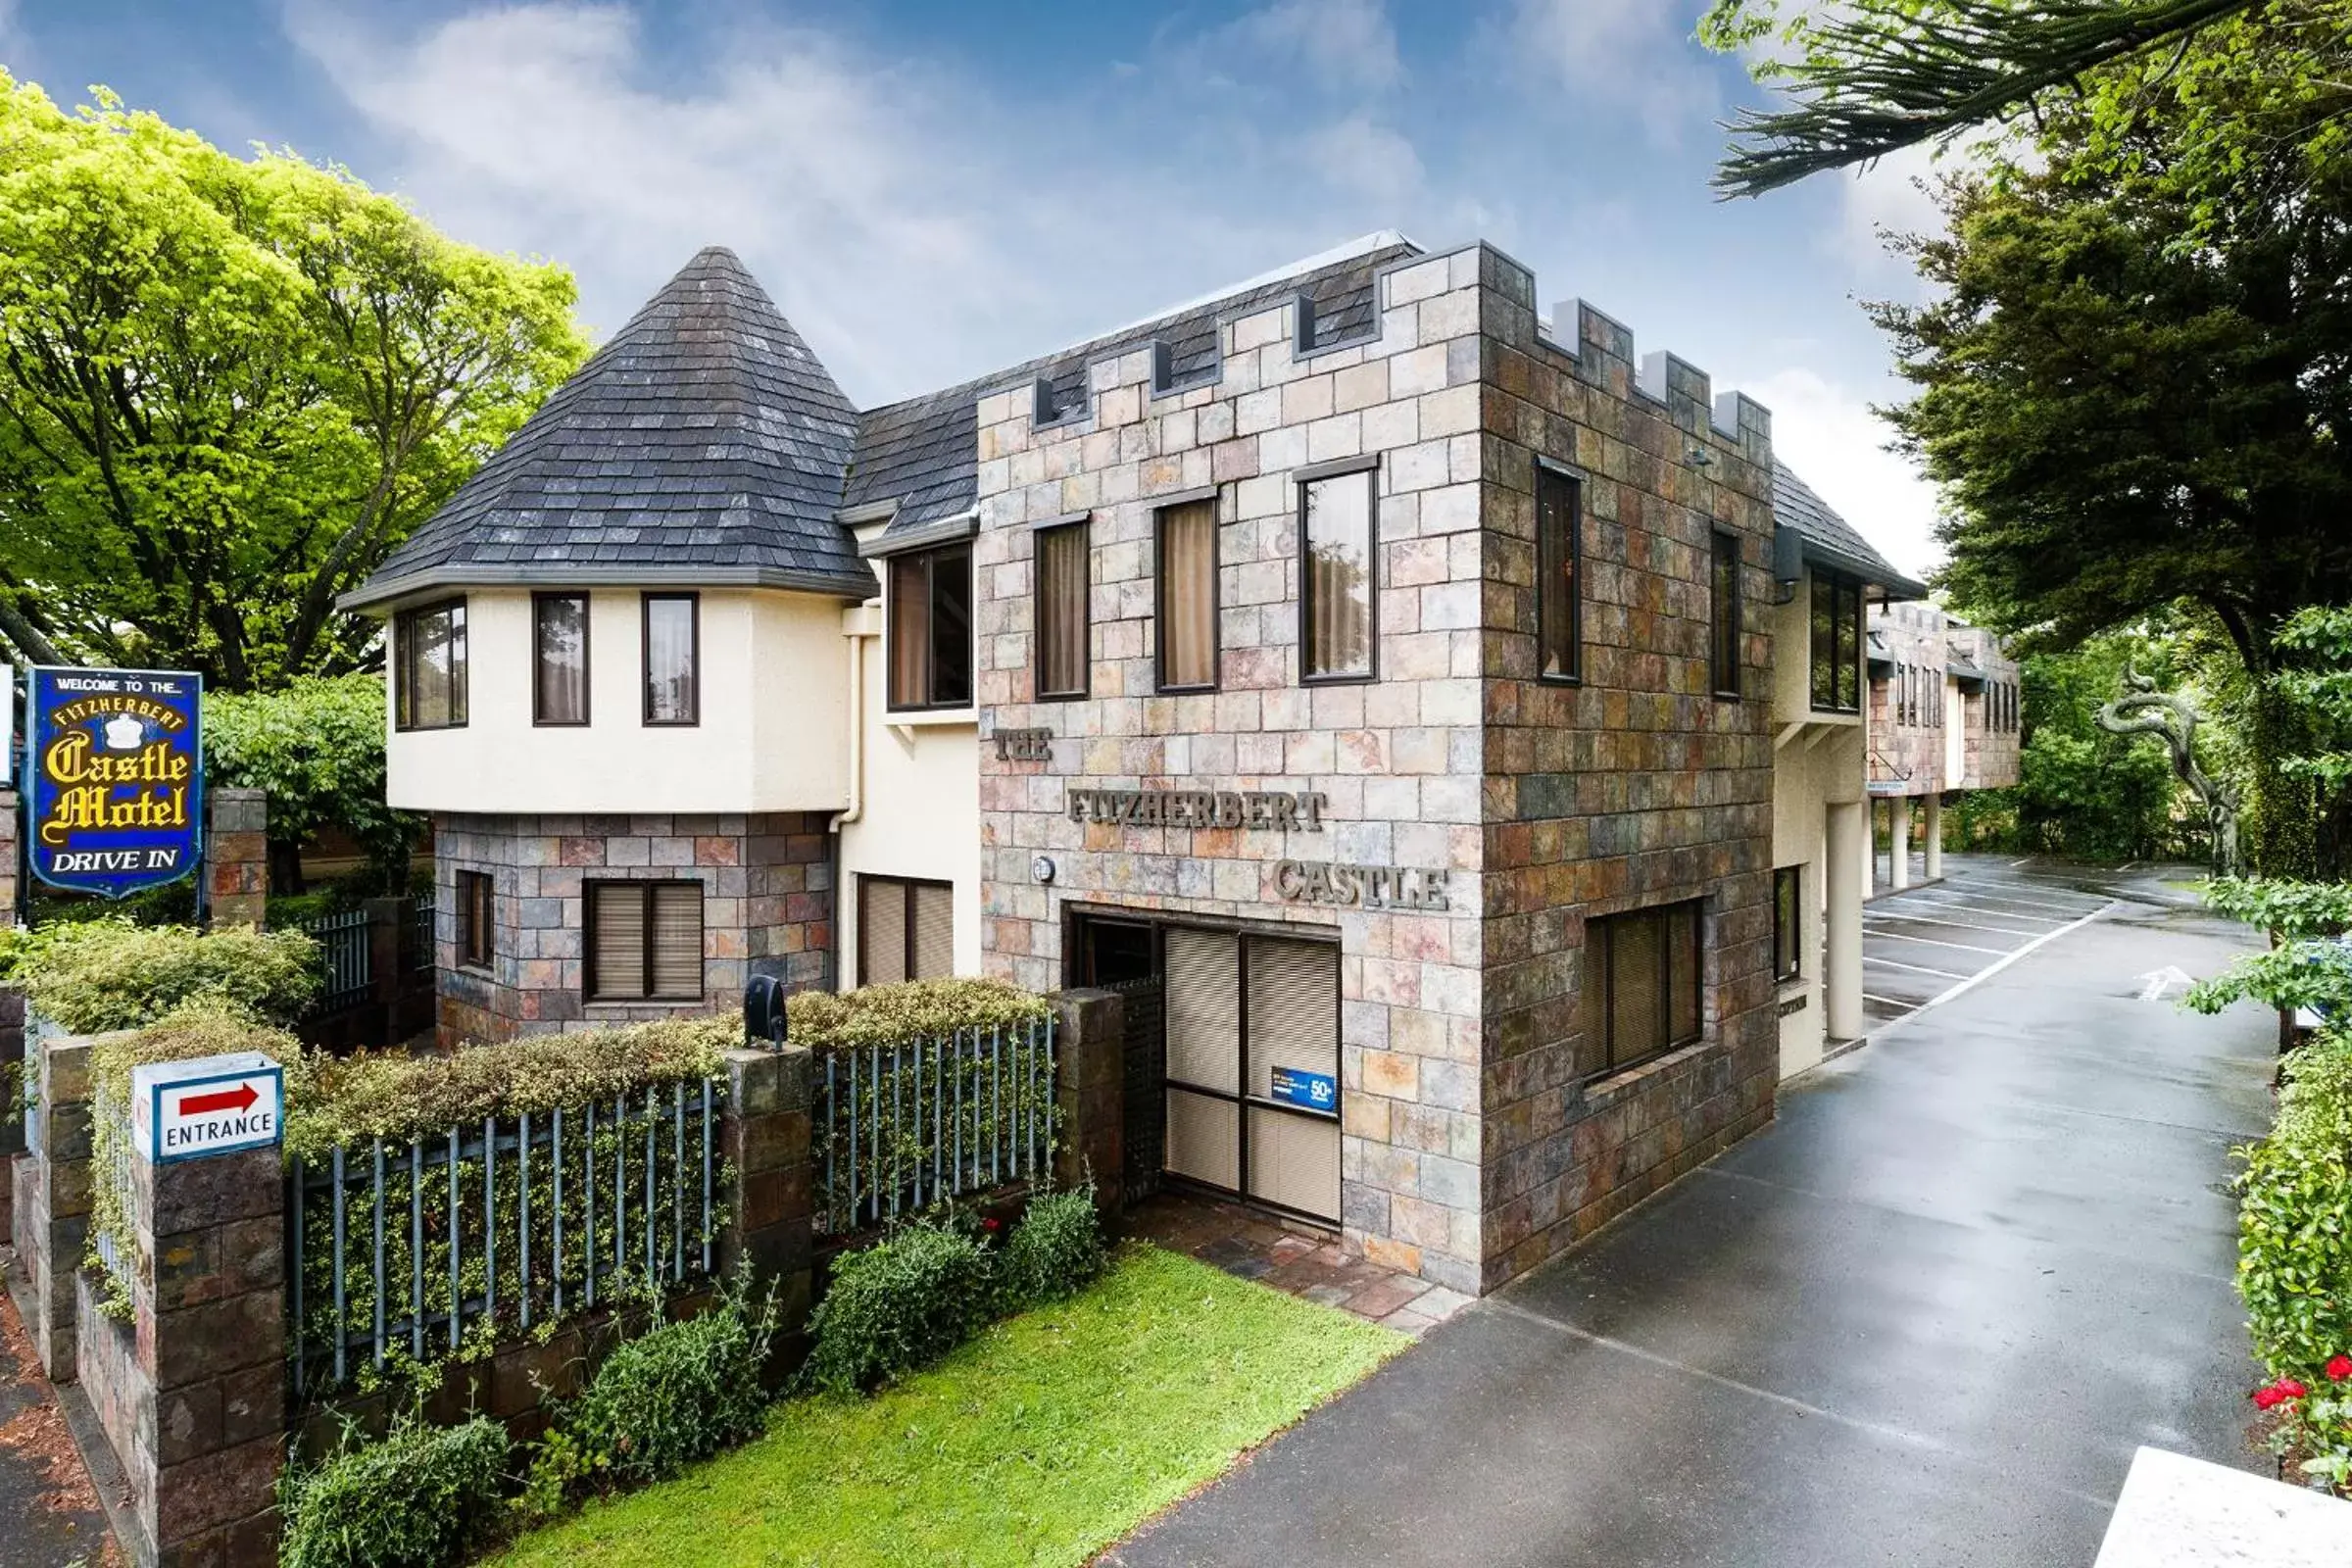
(51, 1222)
(12, 1100)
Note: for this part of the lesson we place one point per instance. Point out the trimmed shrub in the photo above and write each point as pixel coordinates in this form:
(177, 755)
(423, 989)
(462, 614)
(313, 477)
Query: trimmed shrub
(677, 1393)
(106, 974)
(416, 1497)
(1056, 1251)
(2294, 1216)
(910, 1298)
(882, 1015)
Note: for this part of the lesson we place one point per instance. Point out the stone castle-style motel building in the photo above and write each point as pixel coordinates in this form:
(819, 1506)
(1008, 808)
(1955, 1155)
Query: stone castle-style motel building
(1431, 716)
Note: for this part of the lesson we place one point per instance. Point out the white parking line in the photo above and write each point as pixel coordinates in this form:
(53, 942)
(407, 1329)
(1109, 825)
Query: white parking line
(1915, 968)
(1964, 946)
(2026, 908)
(1989, 970)
(1929, 920)
(1888, 1001)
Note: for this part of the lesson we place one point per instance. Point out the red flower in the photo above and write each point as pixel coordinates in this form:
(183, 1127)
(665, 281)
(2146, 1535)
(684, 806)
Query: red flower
(2277, 1394)
(2290, 1389)
(2340, 1369)
(2266, 1397)
(991, 1223)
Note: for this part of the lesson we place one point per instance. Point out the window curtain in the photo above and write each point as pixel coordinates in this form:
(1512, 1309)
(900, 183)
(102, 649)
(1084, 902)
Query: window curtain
(562, 637)
(670, 694)
(909, 632)
(1187, 595)
(1062, 589)
(1338, 564)
(1556, 589)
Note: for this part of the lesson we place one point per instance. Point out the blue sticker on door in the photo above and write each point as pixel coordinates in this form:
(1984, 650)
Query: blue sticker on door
(1309, 1091)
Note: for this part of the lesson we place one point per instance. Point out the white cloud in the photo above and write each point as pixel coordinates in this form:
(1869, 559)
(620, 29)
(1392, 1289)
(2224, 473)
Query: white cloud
(1827, 434)
(1346, 45)
(1892, 197)
(1632, 55)
(1359, 155)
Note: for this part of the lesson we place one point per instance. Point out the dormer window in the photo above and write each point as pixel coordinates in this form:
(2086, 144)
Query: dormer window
(428, 666)
(930, 617)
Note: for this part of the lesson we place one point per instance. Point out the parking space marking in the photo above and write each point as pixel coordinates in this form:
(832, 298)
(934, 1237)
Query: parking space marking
(1915, 968)
(1989, 970)
(1957, 925)
(2010, 908)
(1964, 946)
(1888, 1001)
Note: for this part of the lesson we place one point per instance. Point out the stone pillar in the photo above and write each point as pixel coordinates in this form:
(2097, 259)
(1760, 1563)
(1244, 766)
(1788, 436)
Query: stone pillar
(51, 1218)
(1089, 1093)
(236, 854)
(1841, 976)
(1932, 830)
(764, 1136)
(1867, 871)
(387, 920)
(10, 804)
(13, 1099)
(192, 1392)
(1898, 843)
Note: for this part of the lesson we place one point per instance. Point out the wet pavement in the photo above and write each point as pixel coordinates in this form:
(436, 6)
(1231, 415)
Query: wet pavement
(1925, 1319)
(49, 1512)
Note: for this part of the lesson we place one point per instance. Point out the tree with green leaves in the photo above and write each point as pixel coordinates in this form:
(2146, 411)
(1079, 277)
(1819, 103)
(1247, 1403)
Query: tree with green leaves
(317, 746)
(228, 387)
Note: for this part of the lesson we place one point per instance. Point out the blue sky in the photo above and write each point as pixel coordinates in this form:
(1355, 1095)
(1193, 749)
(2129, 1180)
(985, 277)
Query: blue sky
(933, 189)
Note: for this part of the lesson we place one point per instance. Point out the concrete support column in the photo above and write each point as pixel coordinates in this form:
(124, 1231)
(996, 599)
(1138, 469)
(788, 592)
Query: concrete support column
(192, 1392)
(1863, 873)
(236, 856)
(1089, 1093)
(764, 1136)
(1933, 831)
(50, 1218)
(1898, 839)
(1841, 976)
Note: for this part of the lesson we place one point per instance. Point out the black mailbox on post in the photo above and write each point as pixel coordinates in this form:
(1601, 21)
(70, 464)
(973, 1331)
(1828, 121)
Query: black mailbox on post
(764, 1013)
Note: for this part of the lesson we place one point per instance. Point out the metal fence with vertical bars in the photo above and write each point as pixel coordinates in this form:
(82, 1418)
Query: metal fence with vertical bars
(905, 1126)
(477, 1234)
(343, 957)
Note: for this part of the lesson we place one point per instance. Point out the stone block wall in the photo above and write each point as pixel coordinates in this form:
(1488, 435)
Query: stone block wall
(236, 856)
(12, 1100)
(10, 807)
(1632, 787)
(1992, 755)
(768, 908)
(51, 1218)
(1398, 760)
(1906, 756)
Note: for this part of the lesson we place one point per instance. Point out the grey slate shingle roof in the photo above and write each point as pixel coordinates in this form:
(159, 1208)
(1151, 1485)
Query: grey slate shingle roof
(924, 453)
(705, 442)
(1832, 541)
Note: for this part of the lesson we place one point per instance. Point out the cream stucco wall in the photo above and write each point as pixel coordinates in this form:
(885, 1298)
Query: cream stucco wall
(773, 735)
(920, 813)
(1818, 761)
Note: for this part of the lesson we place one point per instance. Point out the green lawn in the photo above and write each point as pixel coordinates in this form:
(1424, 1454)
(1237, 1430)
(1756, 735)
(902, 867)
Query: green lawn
(1041, 1442)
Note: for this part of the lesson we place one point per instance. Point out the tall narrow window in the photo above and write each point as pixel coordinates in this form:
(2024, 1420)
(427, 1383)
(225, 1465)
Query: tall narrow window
(1559, 577)
(1787, 922)
(1641, 978)
(428, 677)
(644, 941)
(1724, 601)
(673, 662)
(905, 930)
(1849, 645)
(1336, 530)
(560, 659)
(930, 617)
(1188, 597)
(476, 909)
(1836, 673)
(1062, 589)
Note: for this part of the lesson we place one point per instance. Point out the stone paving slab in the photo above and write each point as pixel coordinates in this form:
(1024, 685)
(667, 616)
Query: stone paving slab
(50, 1516)
(1294, 1258)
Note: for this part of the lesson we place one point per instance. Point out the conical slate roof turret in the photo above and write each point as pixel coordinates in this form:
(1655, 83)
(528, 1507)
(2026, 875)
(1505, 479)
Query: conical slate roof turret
(705, 443)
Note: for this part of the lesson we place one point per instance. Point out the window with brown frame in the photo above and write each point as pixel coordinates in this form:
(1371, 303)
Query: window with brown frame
(644, 941)
(476, 923)
(930, 624)
(1061, 619)
(1787, 922)
(1724, 601)
(560, 659)
(1188, 596)
(428, 666)
(674, 688)
(1338, 536)
(905, 930)
(1560, 576)
(1641, 986)
(1836, 653)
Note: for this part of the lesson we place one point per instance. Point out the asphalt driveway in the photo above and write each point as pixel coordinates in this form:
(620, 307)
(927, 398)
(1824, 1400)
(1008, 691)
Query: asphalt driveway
(1923, 1319)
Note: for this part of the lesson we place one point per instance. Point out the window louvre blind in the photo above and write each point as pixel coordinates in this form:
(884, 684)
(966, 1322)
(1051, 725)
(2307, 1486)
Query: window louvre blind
(1294, 1162)
(882, 928)
(933, 957)
(1203, 1021)
(1293, 1009)
(615, 941)
(677, 947)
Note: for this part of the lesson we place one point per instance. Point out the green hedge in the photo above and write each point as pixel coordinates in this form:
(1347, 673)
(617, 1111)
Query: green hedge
(2294, 1232)
(418, 1497)
(882, 1015)
(1054, 1252)
(677, 1393)
(95, 975)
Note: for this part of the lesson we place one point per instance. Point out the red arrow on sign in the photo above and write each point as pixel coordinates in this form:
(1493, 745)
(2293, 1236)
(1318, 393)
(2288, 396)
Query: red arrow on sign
(240, 1097)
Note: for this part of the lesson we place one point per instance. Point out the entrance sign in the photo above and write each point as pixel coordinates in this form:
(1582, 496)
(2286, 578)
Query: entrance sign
(211, 1106)
(1310, 1090)
(113, 781)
